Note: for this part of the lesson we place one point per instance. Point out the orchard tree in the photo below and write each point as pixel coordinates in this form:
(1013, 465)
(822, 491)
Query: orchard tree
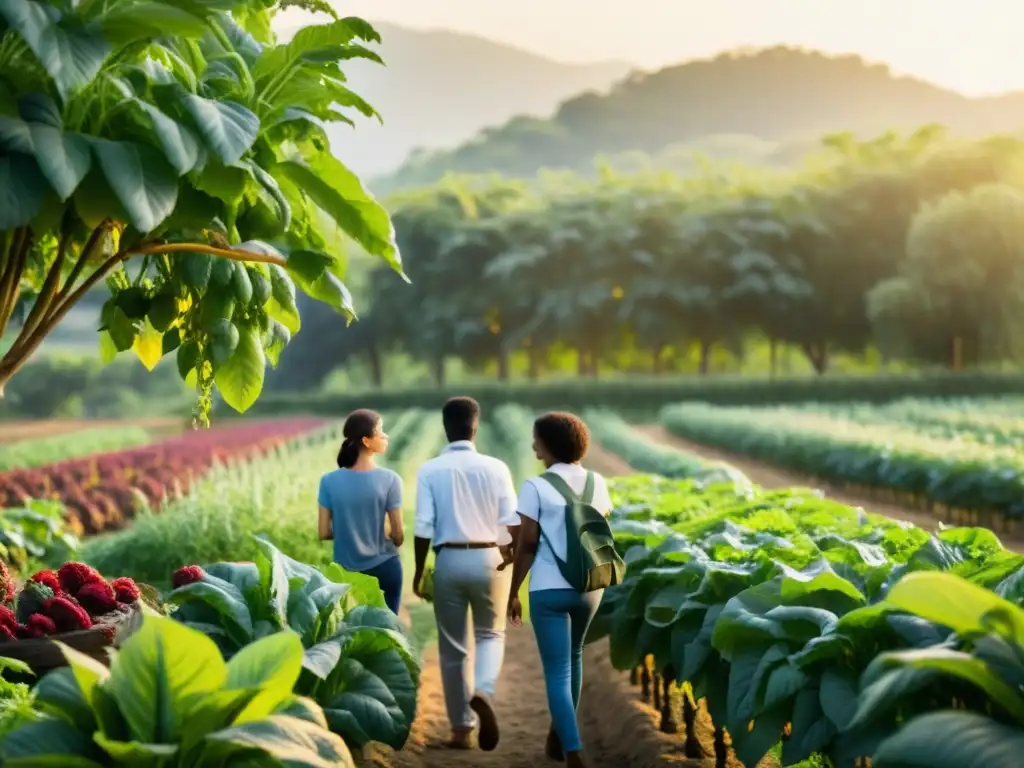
(176, 152)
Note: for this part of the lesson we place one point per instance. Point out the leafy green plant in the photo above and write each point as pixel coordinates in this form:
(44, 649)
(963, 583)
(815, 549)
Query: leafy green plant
(36, 532)
(769, 605)
(954, 704)
(17, 702)
(357, 664)
(170, 699)
(187, 139)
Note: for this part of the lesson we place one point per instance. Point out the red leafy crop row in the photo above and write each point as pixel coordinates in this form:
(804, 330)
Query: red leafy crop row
(102, 491)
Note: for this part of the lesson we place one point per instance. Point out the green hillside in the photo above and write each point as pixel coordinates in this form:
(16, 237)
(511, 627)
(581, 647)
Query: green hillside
(764, 107)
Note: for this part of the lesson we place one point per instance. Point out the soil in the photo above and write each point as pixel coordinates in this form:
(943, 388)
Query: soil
(768, 476)
(619, 729)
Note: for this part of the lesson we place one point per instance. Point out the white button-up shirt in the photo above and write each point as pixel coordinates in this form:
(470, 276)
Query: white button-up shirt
(464, 497)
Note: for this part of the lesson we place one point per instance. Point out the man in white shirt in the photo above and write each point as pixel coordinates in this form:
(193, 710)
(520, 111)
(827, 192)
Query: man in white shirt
(466, 511)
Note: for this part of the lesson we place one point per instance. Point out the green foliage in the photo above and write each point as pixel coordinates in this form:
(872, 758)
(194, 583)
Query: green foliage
(963, 474)
(657, 272)
(954, 704)
(17, 702)
(357, 662)
(188, 139)
(36, 533)
(644, 395)
(41, 451)
(170, 698)
(771, 604)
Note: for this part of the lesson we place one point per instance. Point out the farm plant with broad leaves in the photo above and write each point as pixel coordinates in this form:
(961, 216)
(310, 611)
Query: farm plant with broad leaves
(175, 150)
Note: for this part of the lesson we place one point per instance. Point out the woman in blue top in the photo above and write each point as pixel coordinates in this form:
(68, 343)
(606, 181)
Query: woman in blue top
(357, 500)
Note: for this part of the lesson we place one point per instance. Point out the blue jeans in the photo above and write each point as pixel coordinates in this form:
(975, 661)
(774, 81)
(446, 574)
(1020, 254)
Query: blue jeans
(389, 577)
(560, 619)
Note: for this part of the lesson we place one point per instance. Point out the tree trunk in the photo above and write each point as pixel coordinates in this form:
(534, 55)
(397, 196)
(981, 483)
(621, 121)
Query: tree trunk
(503, 366)
(581, 362)
(705, 357)
(656, 364)
(439, 370)
(957, 353)
(817, 354)
(533, 363)
(773, 357)
(376, 367)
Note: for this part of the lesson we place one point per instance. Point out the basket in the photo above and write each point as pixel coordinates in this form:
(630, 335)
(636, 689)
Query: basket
(43, 654)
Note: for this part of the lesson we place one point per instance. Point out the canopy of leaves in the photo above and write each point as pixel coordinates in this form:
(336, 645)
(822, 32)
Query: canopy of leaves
(184, 136)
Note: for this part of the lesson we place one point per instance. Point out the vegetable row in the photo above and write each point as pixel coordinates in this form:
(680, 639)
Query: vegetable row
(104, 491)
(40, 451)
(957, 474)
(801, 621)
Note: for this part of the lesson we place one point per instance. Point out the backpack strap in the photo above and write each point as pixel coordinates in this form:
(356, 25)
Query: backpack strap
(563, 489)
(588, 490)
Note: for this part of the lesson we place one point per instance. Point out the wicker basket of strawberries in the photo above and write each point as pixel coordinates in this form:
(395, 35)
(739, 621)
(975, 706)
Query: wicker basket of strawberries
(74, 605)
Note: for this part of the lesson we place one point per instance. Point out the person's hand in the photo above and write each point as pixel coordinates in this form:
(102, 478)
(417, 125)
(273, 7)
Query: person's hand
(417, 580)
(515, 611)
(507, 556)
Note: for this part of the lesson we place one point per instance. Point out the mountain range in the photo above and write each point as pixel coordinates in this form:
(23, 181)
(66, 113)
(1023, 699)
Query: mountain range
(439, 88)
(770, 105)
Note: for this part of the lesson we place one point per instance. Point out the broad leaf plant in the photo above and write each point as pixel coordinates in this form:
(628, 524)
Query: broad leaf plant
(176, 150)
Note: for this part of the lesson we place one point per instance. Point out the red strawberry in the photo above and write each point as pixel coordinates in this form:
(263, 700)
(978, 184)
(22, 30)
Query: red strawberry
(49, 578)
(68, 615)
(125, 590)
(97, 597)
(74, 576)
(39, 625)
(188, 574)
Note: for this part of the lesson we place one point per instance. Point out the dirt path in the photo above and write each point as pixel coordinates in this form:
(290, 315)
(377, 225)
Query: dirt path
(773, 477)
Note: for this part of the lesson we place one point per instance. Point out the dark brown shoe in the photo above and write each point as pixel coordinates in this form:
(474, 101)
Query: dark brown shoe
(553, 746)
(488, 735)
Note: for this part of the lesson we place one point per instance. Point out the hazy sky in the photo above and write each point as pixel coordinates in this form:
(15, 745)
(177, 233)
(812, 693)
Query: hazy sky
(975, 46)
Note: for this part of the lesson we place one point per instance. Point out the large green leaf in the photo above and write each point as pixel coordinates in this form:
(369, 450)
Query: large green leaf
(957, 604)
(53, 743)
(282, 306)
(341, 195)
(228, 128)
(371, 695)
(179, 145)
(59, 694)
(952, 740)
(156, 672)
(225, 599)
(297, 743)
(125, 22)
(240, 379)
(143, 181)
(22, 190)
(63, 157)
(72, 54)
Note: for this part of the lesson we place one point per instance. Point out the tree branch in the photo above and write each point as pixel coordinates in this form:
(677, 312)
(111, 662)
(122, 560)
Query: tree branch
(48, 293)
(84, 257)
(10, 280)
(227, 253)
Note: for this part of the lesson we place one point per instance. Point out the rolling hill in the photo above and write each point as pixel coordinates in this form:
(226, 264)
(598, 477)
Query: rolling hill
(778, 96)
(439, 88)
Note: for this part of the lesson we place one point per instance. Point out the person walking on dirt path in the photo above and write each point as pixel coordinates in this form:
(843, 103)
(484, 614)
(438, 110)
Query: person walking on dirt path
(554, 508)
(466, 510)
(358, 501)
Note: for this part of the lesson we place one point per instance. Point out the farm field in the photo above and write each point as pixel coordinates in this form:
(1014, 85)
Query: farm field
(742, 605)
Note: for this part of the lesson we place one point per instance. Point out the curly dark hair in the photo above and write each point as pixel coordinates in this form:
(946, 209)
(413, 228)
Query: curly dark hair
(564, 435)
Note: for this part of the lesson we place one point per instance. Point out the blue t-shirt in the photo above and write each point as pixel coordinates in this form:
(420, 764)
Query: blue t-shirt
(358, 502)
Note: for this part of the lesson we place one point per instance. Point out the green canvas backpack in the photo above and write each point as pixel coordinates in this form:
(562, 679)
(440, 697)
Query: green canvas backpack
(591, 561)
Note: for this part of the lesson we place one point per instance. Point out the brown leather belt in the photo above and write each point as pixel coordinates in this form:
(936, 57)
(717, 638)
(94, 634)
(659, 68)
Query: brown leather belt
(466, 545)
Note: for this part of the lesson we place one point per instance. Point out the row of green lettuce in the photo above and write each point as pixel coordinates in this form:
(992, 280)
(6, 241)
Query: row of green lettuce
(842, 634)
(961, 474)
(280, 660)
(992, 421)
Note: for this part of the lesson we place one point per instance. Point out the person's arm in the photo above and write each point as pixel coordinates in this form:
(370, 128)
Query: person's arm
(424, 528)
(325, 523)
(507, 515)
(393, 505)
(527, 539)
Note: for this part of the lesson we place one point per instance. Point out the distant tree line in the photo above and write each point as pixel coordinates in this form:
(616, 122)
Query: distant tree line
(912, 245)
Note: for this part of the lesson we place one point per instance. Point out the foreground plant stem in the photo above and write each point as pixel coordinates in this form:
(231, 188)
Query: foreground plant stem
(52, 306)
